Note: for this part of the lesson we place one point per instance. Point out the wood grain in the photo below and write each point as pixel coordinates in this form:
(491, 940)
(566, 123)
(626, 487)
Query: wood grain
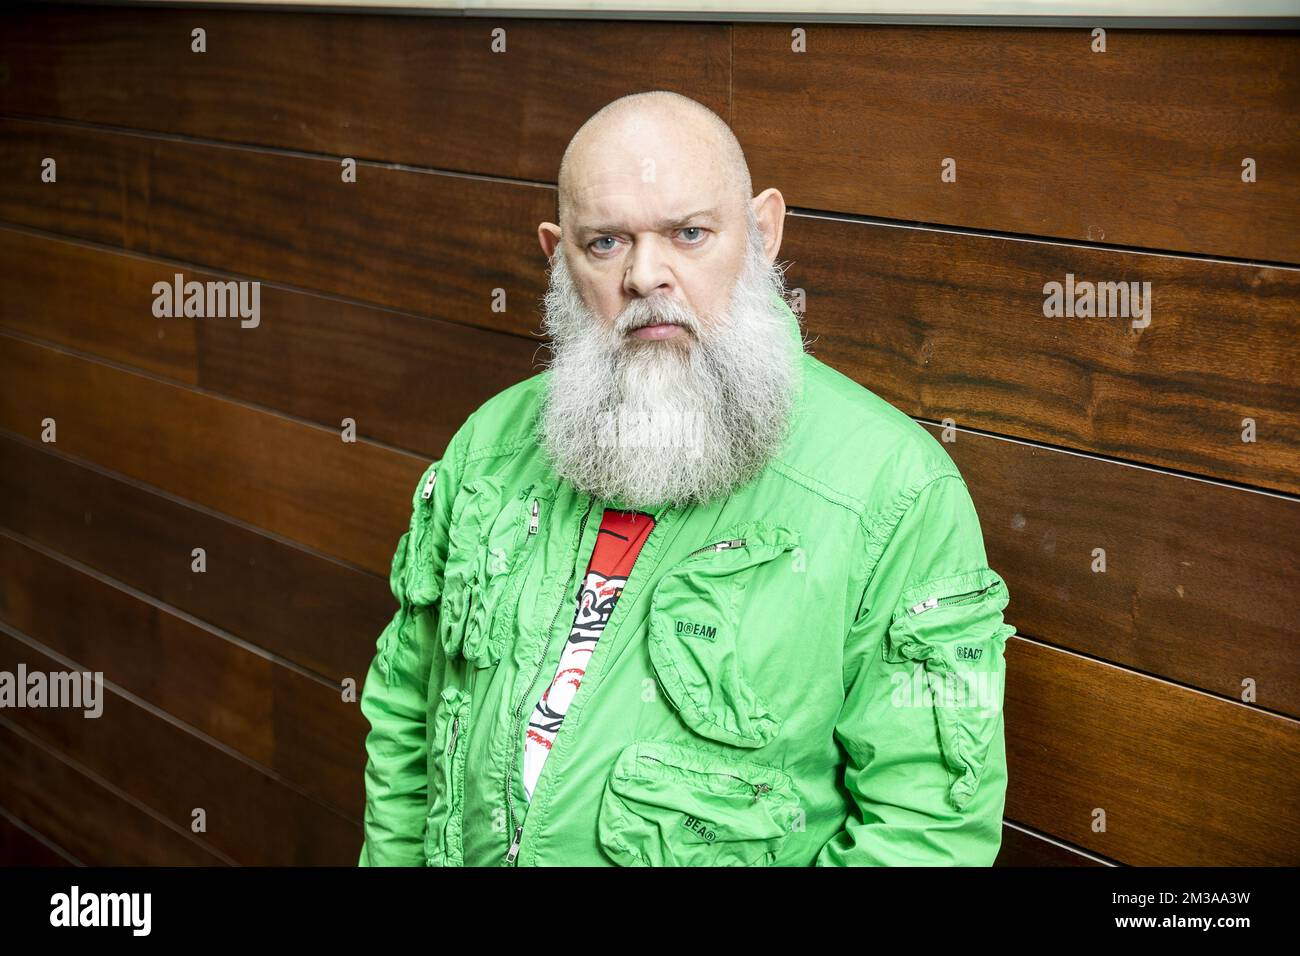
(1141, 145)
(952, 325)
(252, 818)
(427, 91)
(294, 725)
(320, 614)
(286, 477)
(1183, 778)
(84, 818)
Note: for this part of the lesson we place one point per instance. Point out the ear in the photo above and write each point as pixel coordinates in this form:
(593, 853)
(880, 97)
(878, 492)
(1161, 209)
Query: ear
(769, 208)
(548, 234)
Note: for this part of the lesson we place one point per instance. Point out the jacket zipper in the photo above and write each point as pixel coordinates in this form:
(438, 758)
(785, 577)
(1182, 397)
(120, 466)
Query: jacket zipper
(427, 493)
(513, 852)
(759, 788)
(930, 603)
(719, 546)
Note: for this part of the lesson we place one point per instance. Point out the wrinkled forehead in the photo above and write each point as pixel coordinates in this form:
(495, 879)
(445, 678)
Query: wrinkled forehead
(638, 182)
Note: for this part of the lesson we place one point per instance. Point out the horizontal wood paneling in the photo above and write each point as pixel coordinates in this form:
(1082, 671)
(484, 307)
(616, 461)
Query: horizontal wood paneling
(405, 380)
(424, 91)
(1020, 848)
(1171, 600)
(81, 816)
(64, 293)
(1184, 779)
(289, 478)
(1199, 580)
(943, 324)
(949, 325)
(294, 725)
(252, 818)
(1139, 146)
(300, 606)
(859, 122)
(432, 244)
(20, 847)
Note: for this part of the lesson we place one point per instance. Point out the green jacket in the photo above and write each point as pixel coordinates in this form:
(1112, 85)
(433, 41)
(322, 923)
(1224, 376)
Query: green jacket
(826, 690)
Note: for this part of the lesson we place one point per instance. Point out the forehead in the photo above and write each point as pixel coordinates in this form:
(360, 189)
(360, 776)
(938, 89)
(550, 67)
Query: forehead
(636, 187)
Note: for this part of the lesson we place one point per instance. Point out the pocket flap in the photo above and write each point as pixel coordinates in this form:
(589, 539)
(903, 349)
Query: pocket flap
(694, 640)
(953, 627)
(668, 804)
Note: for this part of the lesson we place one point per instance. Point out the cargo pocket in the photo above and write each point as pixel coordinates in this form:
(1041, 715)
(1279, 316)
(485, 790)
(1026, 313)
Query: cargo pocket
(666, 804)
(444, 822)
(953, 627)
(486, 538)
(694, 638)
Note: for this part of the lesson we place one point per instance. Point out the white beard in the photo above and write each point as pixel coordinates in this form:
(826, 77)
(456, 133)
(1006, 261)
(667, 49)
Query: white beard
(676, 421)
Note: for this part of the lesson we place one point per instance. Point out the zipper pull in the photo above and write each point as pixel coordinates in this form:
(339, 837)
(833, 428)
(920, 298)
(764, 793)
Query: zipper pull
(532, 525)
(760, 789)
(427, 493)
(724, 545)
(923, 606)
(514, 844)
(455, 731)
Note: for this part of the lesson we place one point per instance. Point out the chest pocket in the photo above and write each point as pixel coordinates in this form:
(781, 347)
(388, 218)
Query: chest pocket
(694, 631)
(665, 804)
(490, 538)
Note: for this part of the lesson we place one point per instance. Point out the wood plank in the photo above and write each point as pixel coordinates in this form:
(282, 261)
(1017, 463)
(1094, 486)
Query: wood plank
(1199, 582)
(305, 608)
(1049, 138)
(85, 818)
(1021, 848)
(61, 292)
(350, 500)
(426, 91)
(950, 325)
(405, 380)
(252, 818)
(441, 245)
(296, 726)
(21, 847)
(1183, 778)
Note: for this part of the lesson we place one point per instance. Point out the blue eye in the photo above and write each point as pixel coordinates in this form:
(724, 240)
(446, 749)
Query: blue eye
(694, 229)
(602, 239)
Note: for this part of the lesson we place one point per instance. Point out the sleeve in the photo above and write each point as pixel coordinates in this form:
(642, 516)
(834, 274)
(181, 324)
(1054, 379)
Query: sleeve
(921, 723)
(408, 660)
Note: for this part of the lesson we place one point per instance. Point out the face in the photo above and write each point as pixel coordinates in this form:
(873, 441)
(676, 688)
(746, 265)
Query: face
(654, 221)
(693, 406)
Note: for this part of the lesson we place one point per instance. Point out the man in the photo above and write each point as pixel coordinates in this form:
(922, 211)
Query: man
(689, 596)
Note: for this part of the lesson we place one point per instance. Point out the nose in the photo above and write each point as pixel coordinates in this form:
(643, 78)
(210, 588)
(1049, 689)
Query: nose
(647, 270)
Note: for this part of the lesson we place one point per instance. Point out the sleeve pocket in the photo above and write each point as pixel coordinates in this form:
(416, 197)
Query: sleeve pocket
(953, 628)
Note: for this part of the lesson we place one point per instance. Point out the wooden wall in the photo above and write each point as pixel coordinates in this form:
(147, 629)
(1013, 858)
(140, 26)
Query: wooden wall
(1125, 687)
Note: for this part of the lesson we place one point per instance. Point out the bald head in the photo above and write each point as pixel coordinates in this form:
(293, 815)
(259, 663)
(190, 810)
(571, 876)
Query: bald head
(647, 130)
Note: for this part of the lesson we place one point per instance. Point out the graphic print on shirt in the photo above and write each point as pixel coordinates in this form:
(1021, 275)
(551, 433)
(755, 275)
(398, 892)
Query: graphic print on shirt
(618, 542)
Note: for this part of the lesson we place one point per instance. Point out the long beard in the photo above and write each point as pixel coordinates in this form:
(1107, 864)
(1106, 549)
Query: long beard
(678, 421)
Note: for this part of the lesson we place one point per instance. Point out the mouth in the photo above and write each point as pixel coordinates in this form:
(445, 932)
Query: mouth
(660, 330)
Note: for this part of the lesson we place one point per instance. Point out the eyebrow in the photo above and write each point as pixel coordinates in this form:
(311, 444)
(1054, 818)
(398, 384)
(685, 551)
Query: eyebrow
(585, 231)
